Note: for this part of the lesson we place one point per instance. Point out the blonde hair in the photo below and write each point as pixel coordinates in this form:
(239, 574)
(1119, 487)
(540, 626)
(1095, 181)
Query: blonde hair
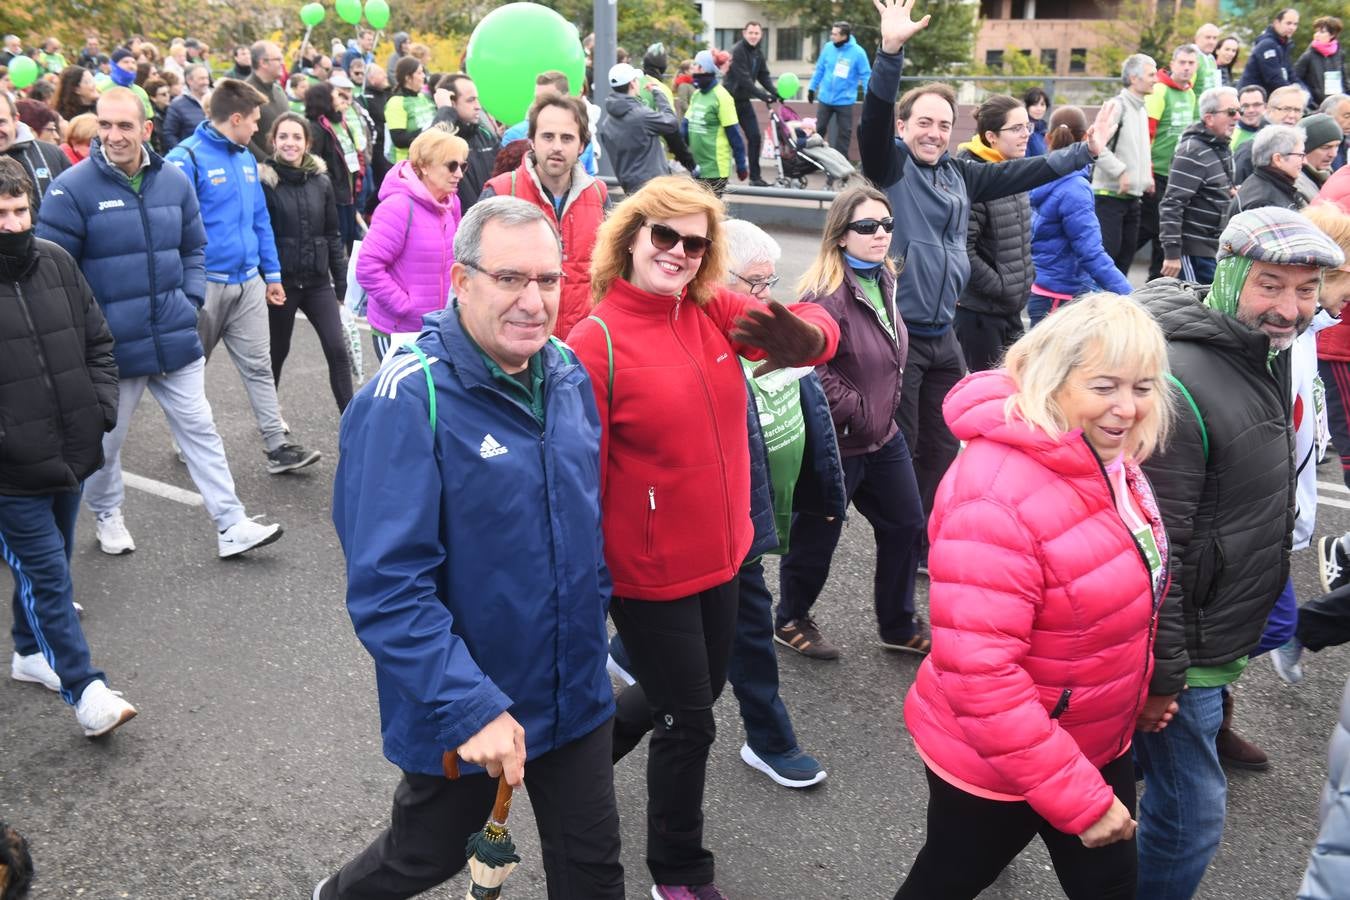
(667, 197)
(1103, 330)
(826, 272)
(82, 129)
(1332, 221)
(434, 147)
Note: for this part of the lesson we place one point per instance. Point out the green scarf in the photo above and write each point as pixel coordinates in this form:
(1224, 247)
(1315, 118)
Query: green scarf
(1229, 277)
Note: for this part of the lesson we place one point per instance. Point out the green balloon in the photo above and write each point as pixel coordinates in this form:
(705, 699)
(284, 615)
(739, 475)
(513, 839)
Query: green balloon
(349, 11)
(377, 13)
(788, 85)
(311, 14)
(512, 45)
(22, 72)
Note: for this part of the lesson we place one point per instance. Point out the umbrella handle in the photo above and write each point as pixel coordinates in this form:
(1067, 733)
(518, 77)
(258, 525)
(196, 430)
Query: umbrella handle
(501, 808)
(450, 764)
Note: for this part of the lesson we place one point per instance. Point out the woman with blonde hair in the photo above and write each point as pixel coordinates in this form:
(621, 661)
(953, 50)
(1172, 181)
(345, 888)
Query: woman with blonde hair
(853, 279)
(404, 262)
(661, 349)
(1048, 562)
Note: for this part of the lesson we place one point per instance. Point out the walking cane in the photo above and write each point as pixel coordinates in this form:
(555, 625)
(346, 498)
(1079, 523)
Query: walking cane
(491, 852)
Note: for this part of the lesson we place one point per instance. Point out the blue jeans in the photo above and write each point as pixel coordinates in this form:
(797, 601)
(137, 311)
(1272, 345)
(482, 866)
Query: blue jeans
(1282, 621)
(1038, 307)
(37, 535)
(1185, 798)
(753, 671)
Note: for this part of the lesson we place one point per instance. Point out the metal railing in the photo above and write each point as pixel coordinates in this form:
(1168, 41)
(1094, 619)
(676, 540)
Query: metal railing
(823, 198)
(1074, 89)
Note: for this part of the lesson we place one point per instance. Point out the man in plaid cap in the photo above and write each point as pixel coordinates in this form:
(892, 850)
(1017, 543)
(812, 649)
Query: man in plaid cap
(1225, 485)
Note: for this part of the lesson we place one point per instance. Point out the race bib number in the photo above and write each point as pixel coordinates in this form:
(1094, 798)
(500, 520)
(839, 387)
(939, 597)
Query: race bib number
(841, 69)
(1331, 82)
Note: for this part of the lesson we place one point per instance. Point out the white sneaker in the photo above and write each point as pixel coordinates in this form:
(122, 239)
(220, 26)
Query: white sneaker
(34, 668)
(113, 537)
(244, 535)
(101, 710)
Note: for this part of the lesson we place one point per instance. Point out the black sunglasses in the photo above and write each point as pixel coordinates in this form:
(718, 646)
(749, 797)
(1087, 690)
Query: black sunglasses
(454, 166)
(665, 238)
(870, 226)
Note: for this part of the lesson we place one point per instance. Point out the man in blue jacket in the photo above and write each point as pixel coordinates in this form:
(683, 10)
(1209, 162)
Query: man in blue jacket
(1269, 65)
(840, 71)
(243, 273)
(133, 225)
(931, 193)
(467, 501)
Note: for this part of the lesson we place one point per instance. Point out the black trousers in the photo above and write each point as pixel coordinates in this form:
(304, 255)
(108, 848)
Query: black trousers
(754, 138)
(571, 791)
(1148, 225)
(1119, 219)
(935, 366)
(972, 839)
(985, 336)
(842, 137)
(320, 306)
(679, 651)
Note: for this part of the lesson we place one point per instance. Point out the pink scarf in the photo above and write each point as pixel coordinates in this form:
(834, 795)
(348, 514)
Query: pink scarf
(1326, 48)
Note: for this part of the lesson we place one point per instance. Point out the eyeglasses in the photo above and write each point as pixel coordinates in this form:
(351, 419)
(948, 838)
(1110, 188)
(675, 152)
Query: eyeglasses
(665, 238)
(1286, 109)
(870, 226)
(1292, 155)
(1231, 111)
(455, 165)
(759, 285)
(515, 282)
(1024, 128)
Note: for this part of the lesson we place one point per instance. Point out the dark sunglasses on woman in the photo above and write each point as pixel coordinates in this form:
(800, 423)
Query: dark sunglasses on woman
(665, 238)
(870, 226)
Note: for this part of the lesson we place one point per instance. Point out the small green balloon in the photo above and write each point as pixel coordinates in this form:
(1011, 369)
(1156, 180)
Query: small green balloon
(311, 14)
(511, 46)
(22, 72)
(349, 11)
(377, 13)
(788, 85)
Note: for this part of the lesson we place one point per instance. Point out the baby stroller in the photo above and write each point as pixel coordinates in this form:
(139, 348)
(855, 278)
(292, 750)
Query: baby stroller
(800, 152)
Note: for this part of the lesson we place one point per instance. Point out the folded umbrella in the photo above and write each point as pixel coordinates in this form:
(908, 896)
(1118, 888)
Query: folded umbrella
(491, 852)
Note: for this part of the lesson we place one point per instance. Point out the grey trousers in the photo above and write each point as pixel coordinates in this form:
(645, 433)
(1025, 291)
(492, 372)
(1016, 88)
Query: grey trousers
(237, 314)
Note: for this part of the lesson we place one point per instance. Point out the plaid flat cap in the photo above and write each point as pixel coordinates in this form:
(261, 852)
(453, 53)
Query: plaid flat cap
(1278, 236)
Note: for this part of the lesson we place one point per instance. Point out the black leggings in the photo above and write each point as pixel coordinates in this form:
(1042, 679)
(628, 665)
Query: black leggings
(320, 306)
(972, 839)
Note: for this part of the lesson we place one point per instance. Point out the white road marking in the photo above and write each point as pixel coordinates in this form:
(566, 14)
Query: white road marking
(178, 495)
(1333, 486)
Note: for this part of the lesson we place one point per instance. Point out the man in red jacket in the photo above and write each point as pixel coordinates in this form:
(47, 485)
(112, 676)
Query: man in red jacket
(551, 177)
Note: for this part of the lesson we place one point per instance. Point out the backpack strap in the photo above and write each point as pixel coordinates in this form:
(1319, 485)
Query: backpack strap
(1195, 408)
(431, 385)
(563, 350)
(609, 345)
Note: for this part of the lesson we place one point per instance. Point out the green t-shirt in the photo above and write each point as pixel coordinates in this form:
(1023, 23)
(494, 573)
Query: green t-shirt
(1216, 676)
(1240, 137)
(1206, 75)
(710, 114)
(784, 427)
(415, 114)
(1174, 111)
(872, 291)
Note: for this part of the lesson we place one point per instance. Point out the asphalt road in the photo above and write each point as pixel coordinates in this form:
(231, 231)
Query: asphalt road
(254, 767)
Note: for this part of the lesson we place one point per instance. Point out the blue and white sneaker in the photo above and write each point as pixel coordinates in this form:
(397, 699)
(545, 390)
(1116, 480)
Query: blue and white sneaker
(794, 769)
(1285, 658)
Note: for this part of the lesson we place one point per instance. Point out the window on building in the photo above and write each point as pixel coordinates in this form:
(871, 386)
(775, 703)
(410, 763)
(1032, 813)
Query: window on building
(993, 59)
(789, 44)
(991, 9)
(1078, 60)
(1050, 59)
(725, 38)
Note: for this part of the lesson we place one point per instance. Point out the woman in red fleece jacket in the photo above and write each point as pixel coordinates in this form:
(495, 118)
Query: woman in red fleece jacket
(661, 350)
(1048, 564)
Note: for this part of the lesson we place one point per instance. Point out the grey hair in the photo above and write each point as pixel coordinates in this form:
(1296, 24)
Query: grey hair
(1134, 66)
(748, 244)
(1211, 102)
(509, 212)
(1281, 139)
(187, 73)
(1190, 49)
(1331, 102)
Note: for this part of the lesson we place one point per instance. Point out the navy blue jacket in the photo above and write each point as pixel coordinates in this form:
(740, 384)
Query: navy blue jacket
(476, 574)
(184, 115)
(1269, 65)
(142, 252)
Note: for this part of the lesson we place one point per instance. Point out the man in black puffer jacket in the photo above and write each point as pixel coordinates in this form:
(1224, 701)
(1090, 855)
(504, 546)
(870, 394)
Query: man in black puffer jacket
(58, 390)
(1225, 486)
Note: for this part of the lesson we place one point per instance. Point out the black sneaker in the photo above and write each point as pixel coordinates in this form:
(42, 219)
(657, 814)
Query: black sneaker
(1333, 565)
(758, 182)
(289, 457)
(803, 636)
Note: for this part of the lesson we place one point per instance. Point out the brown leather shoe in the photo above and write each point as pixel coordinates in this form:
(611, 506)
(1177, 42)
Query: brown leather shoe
(1234, 749)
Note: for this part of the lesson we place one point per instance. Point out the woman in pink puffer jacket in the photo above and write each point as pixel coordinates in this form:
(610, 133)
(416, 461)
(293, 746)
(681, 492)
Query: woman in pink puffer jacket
(405, 258)
(1048, 564)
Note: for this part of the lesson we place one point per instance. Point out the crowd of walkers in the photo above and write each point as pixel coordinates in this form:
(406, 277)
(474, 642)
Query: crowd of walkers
(1101, 487)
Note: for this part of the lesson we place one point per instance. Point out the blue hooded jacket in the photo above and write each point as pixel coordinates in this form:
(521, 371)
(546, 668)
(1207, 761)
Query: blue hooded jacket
(833, 90)
(142, 253)
(1066, 239)
(476, 574)
(234, 209)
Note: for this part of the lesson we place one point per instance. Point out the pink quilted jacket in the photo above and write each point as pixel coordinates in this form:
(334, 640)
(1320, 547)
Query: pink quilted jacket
(404, 263)
(1043, 614)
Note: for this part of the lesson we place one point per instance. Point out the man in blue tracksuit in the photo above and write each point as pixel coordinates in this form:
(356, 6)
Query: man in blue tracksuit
(243, 273)
(840, 71)
(931, 193)
(470, 519)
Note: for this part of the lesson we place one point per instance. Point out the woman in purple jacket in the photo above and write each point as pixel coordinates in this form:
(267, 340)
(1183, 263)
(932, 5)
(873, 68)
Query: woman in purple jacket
(404, 261)
(854, 280)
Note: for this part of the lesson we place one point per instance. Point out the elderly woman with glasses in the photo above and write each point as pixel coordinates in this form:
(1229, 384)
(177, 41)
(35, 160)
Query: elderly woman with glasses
(662, 350)
(404, 261)
(853, 279)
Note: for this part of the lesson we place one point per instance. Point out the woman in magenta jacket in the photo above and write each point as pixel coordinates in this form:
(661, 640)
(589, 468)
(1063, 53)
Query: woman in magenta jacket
(1048, 565)
(404, 261)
